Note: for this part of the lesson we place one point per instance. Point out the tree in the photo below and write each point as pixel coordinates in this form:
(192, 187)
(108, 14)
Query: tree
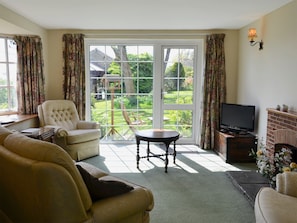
(121, 55)
(144, 70)
(174, 77)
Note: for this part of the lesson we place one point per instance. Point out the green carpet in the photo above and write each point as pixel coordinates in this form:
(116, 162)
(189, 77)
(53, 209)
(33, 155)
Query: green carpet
(183, 196)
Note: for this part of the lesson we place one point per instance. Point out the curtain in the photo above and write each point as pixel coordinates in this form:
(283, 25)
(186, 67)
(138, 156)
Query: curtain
(74, 71)
(214, 90)
(30, 77)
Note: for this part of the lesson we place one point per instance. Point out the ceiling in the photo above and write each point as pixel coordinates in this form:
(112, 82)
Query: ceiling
(143, 14)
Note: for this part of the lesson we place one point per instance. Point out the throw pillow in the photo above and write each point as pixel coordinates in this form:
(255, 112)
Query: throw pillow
(100, 189)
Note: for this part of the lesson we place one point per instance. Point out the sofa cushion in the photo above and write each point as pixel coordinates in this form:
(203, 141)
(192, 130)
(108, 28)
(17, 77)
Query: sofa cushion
(100, 189)
(47, 152)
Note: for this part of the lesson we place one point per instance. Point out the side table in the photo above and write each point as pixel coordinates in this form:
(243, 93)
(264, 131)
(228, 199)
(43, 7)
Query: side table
(156, 135)
(42, 133)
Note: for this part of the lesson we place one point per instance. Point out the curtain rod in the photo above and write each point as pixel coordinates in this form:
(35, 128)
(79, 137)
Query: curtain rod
(3, 35)
(6, 35)
(94, 35)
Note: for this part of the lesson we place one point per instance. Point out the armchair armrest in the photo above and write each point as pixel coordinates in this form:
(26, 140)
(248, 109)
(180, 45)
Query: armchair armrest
(286, 183)
(87, 125)
(59, 131)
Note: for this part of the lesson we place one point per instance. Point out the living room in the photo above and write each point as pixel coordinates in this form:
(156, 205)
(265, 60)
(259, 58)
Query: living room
(262, 78)
(265, 78)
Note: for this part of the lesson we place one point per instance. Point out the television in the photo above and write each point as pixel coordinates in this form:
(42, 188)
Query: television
(237, 118)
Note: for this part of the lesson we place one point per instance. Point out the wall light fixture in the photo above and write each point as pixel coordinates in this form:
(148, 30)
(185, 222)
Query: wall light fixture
(252, 36)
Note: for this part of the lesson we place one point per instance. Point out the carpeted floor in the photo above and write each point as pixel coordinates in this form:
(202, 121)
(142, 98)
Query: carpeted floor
(194, 190)
(248, 182)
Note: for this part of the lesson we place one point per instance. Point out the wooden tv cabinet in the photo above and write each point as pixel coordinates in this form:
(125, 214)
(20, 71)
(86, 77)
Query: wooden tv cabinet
(235, 148)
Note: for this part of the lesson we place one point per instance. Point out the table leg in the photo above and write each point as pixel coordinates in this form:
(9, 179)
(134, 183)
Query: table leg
(137, 154)
(148, 150)
(174, 152)
(166, 156)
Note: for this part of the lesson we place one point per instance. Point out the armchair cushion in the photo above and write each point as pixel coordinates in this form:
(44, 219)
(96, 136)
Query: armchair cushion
(286, 183)
(87, 125)
(278, 205)
(81, 135)
(100, 189)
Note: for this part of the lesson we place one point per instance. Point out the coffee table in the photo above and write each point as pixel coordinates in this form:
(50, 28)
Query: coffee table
(156, 135)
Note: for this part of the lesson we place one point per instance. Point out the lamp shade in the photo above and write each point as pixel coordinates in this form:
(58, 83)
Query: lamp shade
(252, 34)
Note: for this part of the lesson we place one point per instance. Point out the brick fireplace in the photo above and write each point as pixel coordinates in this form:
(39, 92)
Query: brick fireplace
(281, 129)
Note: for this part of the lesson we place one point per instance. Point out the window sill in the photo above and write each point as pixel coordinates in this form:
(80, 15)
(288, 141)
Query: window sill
(18, 122)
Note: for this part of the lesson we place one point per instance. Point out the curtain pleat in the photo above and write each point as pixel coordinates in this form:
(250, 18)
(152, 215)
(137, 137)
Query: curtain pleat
(74, 71)
(30, 77)
(214, 89)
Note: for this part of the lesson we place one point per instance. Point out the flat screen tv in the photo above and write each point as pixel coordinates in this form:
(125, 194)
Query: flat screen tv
(237, 118)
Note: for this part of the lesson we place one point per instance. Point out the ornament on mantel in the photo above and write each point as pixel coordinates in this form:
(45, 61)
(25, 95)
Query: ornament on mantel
(278, 107)
(285, 108)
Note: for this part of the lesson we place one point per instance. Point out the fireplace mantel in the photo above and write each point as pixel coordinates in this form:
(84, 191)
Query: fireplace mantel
(288, 114)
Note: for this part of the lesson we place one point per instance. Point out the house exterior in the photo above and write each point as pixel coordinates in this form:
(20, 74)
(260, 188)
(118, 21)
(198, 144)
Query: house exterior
(264, 78)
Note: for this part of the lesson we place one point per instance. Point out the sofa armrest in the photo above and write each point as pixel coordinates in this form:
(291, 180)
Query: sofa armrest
(87, 125)
(286, 183)
(114, 209)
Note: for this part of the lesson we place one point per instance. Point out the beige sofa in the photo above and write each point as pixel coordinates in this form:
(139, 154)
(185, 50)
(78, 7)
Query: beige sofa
(39, 182)
(279, 205)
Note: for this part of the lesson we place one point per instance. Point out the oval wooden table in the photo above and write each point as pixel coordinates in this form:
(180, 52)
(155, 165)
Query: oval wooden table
(156, 135)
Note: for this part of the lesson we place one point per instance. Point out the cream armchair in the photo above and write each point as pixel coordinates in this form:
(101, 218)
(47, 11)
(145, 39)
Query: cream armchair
(79, 138)
(280, 204)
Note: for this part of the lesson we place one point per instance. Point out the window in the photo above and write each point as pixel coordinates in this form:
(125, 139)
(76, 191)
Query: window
(8, 68)
(143, 84)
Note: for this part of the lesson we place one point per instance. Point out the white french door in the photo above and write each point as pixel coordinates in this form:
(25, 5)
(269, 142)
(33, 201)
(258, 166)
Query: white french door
(156, 82)
(177, 89)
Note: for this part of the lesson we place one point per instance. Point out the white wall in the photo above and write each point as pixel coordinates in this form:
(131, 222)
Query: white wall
(269, 77)
(12, 23)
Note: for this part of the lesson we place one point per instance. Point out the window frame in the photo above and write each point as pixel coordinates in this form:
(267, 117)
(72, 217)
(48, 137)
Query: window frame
(158, 44)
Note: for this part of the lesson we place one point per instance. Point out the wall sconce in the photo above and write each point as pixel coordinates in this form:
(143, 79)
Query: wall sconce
(252, 36)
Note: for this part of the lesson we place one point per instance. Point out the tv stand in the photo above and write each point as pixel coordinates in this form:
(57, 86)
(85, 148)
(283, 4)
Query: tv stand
(235, 147)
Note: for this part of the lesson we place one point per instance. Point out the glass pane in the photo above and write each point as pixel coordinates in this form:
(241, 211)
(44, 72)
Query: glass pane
(3, 75)
(2, 50)
(178, 77)
(12, 74)
(12, 52)
(13, 96)
(132, 53)
(179, 120)
(145, 53)
(3, 99)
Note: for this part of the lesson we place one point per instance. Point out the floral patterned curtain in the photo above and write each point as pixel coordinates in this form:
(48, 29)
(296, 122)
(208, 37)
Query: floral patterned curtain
(30, 77)
(214, 92)
(74, 71)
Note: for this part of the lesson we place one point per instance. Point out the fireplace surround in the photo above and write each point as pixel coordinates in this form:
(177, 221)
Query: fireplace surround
(281, 130)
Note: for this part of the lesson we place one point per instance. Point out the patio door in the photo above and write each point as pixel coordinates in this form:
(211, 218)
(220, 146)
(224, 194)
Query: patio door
(141, 85)
(177, 90)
